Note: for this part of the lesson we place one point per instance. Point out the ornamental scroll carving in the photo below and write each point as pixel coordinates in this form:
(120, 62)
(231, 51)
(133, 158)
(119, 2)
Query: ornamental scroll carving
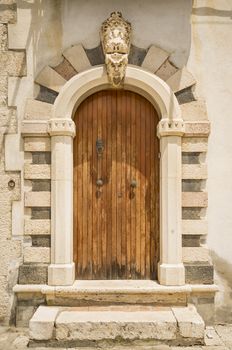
(116, 40)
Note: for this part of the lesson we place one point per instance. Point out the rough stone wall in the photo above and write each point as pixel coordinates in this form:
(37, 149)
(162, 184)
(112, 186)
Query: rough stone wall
(12, 63)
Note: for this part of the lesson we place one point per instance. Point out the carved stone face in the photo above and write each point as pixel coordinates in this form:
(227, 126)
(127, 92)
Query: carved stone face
(116, 66)
(116, 37)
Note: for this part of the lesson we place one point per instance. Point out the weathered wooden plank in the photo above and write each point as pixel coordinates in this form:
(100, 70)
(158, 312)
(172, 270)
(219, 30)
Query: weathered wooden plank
(194, 199)
(37, 227)
(37, 171)
(194, 171)
(37, 199)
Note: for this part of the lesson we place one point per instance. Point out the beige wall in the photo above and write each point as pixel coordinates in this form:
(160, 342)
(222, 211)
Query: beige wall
(210, 62)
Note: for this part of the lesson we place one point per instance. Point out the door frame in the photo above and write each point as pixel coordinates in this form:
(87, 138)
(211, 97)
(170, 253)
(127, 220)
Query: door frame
(62, 130)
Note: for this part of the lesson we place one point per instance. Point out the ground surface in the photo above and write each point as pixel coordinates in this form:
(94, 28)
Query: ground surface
(217, 338)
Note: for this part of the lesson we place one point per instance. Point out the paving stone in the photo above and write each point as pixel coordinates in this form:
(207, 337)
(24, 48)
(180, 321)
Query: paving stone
(211, 337)
(225, 332)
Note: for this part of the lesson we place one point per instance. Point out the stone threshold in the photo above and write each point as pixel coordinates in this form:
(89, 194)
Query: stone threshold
(115, 286)
(84, 326)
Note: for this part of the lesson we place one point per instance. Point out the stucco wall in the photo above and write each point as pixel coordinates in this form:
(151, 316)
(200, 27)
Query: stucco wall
(210, 62)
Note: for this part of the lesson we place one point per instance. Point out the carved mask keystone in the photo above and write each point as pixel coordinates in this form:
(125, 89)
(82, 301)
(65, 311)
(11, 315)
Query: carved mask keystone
(116, 40)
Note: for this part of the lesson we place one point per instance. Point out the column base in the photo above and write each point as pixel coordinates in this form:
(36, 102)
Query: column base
(171, 274)
(61, 274)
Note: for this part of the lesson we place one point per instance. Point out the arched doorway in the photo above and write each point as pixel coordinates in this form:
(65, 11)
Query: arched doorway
(116, 187)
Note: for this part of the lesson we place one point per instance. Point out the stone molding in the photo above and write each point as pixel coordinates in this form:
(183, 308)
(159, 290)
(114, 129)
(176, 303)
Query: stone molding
(61, 127)
(171, 128)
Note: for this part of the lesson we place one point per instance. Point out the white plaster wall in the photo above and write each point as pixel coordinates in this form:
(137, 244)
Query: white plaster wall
(211, 63)
(163, 23)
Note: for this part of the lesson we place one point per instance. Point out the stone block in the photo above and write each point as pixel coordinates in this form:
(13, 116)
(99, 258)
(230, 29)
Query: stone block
(37, 199)
(194, 111)
(154, 58)
(46, 95)
(196, 273)
(42, 323)
(192, 185)
(34, 128)
(36, 255)
(37, 110)
(49, 78)
(65, 69)
(13, 63)
(194, 171)
(37, 227)
(41, 157)
(190, 158)
(37, 144)
(197, 129)
(37, 171)
(3, 91)
(23, 315)
(191, 240)
(195, 254)
(182, 79)
(192, 144)
(194, 227)
(41, 241)
(41, 213)
(194, 199)
(13, 153)
(8, 12)
(3, 37)
(41, 185)
(190, 323)
(93, 325)
(77, 57)
(33, 274)
(191, 213)
(95, 55)
(166, 70)
(136, 55)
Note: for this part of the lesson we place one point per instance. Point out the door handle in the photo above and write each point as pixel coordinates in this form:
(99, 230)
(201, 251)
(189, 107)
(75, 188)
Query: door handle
(133, 184)
(99, 182)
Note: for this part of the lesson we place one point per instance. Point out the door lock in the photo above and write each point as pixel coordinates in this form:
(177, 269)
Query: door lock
(99, 182)
(100, 147)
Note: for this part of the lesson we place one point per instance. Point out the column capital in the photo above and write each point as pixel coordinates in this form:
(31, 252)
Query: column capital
(168, 127)
(61, 127)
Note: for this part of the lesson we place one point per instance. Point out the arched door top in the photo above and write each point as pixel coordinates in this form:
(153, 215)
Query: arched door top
(137, 79)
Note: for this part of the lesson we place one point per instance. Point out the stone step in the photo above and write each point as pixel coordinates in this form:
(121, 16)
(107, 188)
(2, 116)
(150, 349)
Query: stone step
(87, 326)
(113, 292)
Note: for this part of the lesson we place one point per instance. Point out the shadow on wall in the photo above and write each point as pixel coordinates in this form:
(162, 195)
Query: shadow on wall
(223, 300)
(209, 11)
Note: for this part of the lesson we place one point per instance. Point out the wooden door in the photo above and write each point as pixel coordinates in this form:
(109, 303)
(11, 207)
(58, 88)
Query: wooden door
(116, 187)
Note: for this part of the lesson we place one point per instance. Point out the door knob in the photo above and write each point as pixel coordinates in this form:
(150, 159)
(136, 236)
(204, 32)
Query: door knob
(99, 182)
(133, 184)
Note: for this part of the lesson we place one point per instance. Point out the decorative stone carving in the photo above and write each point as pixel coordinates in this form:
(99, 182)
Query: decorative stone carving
(61, 127)
(116, 40)
(168, 127)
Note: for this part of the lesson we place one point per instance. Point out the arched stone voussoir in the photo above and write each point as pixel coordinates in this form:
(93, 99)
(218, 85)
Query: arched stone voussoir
(77, 57)
(154, 58)
(49, 78)
(181, 80)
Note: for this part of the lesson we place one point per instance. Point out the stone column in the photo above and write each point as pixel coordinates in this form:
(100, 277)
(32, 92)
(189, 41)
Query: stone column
(171, 268)
(61, 271)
